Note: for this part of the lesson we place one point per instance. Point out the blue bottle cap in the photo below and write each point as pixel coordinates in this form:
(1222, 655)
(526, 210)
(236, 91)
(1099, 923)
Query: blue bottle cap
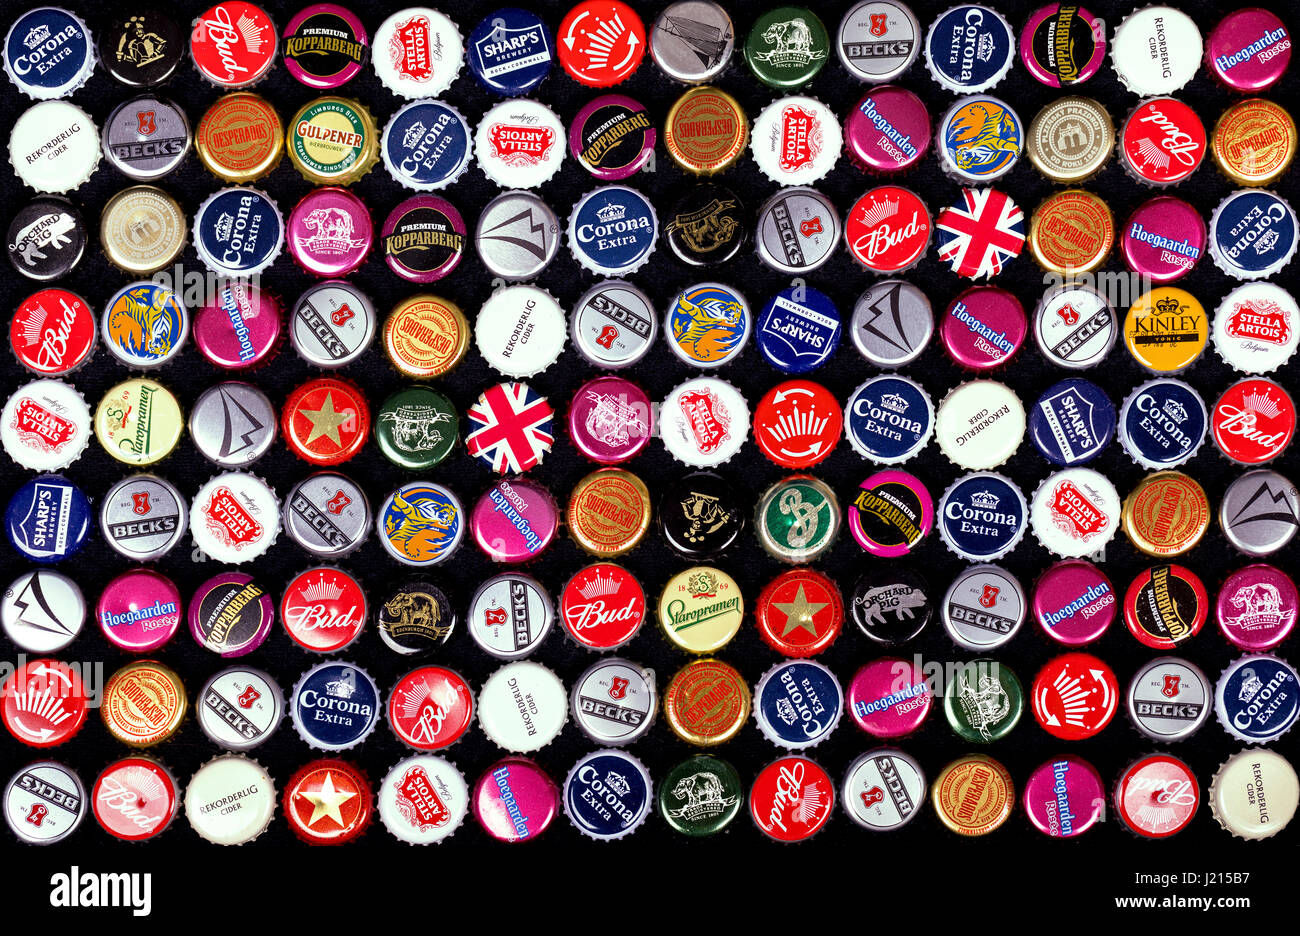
(613, 230)
(982, 516)
(607, 794)
(969, 48)
(798, 703)
(145, 325)
(48, 53)
(799, 329)
(1162, 423)
(1253, 234)
(48, 519)
(889, 419)
(238, 232)
(1072, 422)
(708, 324)
(1256, 698)
(335, 705)
(426, 145)
(511, 51)
(421, 523)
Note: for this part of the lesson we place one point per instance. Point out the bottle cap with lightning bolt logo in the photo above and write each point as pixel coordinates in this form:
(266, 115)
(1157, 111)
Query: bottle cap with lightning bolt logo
(421, 523)
(1065, 797)
(43, 703)
(1260, 512)
(797, 704)
(430, 708)
(139, 610)
(324, 609)
(326, 421)
(1169, 699)
(511, 51)
(328, 802)
(233, 424)
(892, 323)
(240, 707)
(614, 701)
(1257, 607)
(797, 424)
(43, 802)
(210, 791)
(1075, 696)
(884, 788)
(42, 611)
(231, 614)
(800, 613)
(602, 607)
(693, 41)
(797, 519)
(518, 235)
(418, 52)
(601, 42)
(984, 701)
(983, 608)
(235, 517)
(327, 514)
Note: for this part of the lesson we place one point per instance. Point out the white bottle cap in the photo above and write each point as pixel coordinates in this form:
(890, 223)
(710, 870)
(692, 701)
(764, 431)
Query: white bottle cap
(519, 144)
(704, 422)
(1075, 513)
(54, 146)
(796, 140)
(42, 611)
(418, 52)
(1257, 328)
(45, 425)
(235, 517)
(230, 800)
(523, 706)
(980, 424)
(1156, 50)
(520, 330)
(423, 800)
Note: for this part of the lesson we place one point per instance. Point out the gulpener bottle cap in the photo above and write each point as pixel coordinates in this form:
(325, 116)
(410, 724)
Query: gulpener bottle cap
(332, 141)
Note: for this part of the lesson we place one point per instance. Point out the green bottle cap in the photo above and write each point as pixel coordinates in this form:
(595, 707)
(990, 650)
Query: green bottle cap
(798, 518)
(701, 795)
(984, 701)
(787, 46)
(416, 428)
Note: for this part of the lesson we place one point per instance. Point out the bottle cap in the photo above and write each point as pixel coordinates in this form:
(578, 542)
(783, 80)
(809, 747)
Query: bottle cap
(1070, 139)
(601, 42)
(515, 800)
(1253, 421)
(332, 324)
(141, 47)
(43, 703)
(700, 514)
(889, 129)
(519, 144)
(231, 614)
(335, 706)
(1253, 234)
(891, 513)
(1257, 607)
(983, 608)
(145, 325)
(980, 424)
(701, 609)
(1166, 514)
(49, 53)
(878, 40)
(883, 788)
(1254, 142)
(1074, 602)
(143, 516)
(326, 421)
(235, 517)
(1257, 327)
(323, 609)
(608, 795)
(430, 708)
(798, 329)
(703, 422)
(1071, 232)
(42, 611)
(1075, 327)
(46, 240)
(797, 424)
(982, 516)
(239, 707)
(969, 48)
(613, 138)
(610, 419)
(1162, 423)
(1156, 50)
(961, 139)
(238, 232)
(520, 330)
(142, 229)
(612, 230)
(517, 236)
(1166, 330)
(791, 799)
(1254, 794)
(1255, 699)
(797, 230)
(984, 702)
(139, 611)
(146, 138)
(514, 521)
(528, 727)
(692, 42)
(797, 704)
(796, 140)
(415, 428)
(707, 703)
(511, 51)
(889, 698)
(48, 167)
(48, 519)
(1060, 45)
(425, 336)
(45, 425)
(426, 145)
(144, 703)
(1075, 696)
(1072, 422)
(1165, 605)
(325, 46)
(417, 53)
(240, 138)
(891, 604)
(1168, 699)
(701, 795)
(421, 523)
(1075, 512)
(1162, 142)
(983, 327)
(423, 239)
(705, 131)
(1065, 797)
(888, 419)
(980, 232)
(1260, 512)
(233, 44)
(327, 514)
(888, 229)
(328, 801)
(423, 798)
(135, 799)
(799, 613)
(511, 428)
(892, 323)
(510, 615)
(44, 803)
(614, 701)
(336, 252)
(1249, 50)
(416, 618)
(787, 47)
(973, 795)
(797, 519)
(1163, 239)
(614, 324)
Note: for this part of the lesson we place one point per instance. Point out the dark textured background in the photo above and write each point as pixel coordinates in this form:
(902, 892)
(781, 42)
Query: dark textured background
(653, 562)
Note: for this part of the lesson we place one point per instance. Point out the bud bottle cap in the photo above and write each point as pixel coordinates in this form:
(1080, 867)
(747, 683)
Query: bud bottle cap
(514, 521)
(416, 618)
(705, 132)
(883, 788)
(426, 145)
(135, 798)
(138, 723)
(889, 129)
(513, 728)
(42, 611)
(1165, 605)
(1260, 512)
(892, 604)
(1255, 793)
(1074, 602)
(49, 791)
(792, 799)
(796, 140)
(706, 703)
(608, 795)
(797, 230)
(878, 40)
(799, 614)
(511, 51)
(436, 515)
(1253, 421)
(1156, 50)
(973, 795)
(1253, 234)
(515, 800)
(240, 707)
(62, 168)
(1255, 699)
(143, 517)
(1249, 50)
(430, 708)
(234, 44)
(1061, 45)
(1257, 607)
(519, 144)
(716, 813)
(1075, 696)
(418, 52)
(328, 801)
(700, 514)
(49, 53)
(888, 229)
(969, 48)
(1169, 699)
(1163, 239)
(1065, 797)
(323, 609)
(983, 608)
(614, 701)
(325, 46)
(797, 519)
(45, 425)
(240, 138)
(45, 241)
(231, 614)
(510, 615)
(423, 799)
(139, 610)
(235, 517)
(692, 41)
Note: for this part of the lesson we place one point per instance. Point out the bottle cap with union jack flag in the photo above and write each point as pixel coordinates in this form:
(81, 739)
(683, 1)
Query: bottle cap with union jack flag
(980, 232)
(511, 428)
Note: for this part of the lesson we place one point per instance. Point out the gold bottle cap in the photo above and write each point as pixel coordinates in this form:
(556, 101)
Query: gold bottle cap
(1254, 142)
(144, 703)
(973, 795)
(609, 512)
(1166, 514)
(706, 131)
(426, 336)
(142, 229)
(701, 609)
(138, 422)
(333, 141)
(1070, 139)
(240, 138)
(707, 702)
(1072, 232)
(1166, 330)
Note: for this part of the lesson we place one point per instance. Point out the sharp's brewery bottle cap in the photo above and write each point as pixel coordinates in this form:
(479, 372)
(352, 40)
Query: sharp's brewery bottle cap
(325, 46)
(48, 519)
(231, 614)
(42, 611)
(417, 52)
(798, 329)
(239, 707)
(1156, 50)
(48, 53)
(1072, 422)
(525, 729)
(1169, 699)
(511, 51)
(141, 46)
(423, 799)
(883, 789)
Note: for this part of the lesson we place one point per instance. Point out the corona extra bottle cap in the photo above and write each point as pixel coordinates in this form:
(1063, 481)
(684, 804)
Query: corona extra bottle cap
(426, 145)
(797, 704)
(603, 810)
(238, 232)
(1162, 423)
(969, 48)
(982, 516)
(49, 53)
(1253, 234)
(1255, 699)
(889, 419)
(1169, 699)
(613, 230)
(335, 706)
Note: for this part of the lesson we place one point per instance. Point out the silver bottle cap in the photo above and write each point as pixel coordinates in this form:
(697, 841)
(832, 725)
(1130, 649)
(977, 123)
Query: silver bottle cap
(1169, 699)
(143, 517)
(327, 514)
(49, 791)
(878, 40)
(892, 772)
(510, 615)
(517, 236)
(797, 231)
(332, 324)
(42, 611)
(692, 41)
(146, 138)
(892, 323)
(614, 324)
(984, 607)
(614, 701)
(1260, 512)
(232, 424)
(240, 707)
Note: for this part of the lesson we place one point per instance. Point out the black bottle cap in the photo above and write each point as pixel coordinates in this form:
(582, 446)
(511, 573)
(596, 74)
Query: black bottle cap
(141, 47)
(416, 618)
(46, 239)
(707, 225)
(892, 604)
(700, 514)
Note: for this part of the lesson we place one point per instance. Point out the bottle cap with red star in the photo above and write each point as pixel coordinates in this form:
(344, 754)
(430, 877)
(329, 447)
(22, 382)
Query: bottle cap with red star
(1253, 421)
(325, 421)
(603, 606)
(797, 424)
(43, 703)
(135, 798)
(888, 229)
(601, 42)
(431, 708)
(328, 802)
(323, 609)
(791, 799)
(800, 613)
(1075, 696)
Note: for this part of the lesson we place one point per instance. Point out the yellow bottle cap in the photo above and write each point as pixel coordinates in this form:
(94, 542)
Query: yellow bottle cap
(973, 795)
(1072, 232)
(1166, 514)
(707, 702)
(333, 141)
(706, 131)
(609, 512)
(701, 609)
(138, 422)
(426, 336)
(1166, 330)
(240, 138)
(142, 229)
(1254, 142)
(144, 703)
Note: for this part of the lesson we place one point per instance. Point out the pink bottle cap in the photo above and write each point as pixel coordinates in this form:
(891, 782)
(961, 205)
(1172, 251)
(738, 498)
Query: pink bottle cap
(891, 512)
(139, 610)
(888, 131)
(1249, 50)
(1074, 602)
(240, 327)
(983, 327)
(610, 419)
(330, 40)
(514, 520)
(1062, 44)
(1065, 797)
(1257, 607)
(1163, 239)
(515, 800)
(889, 698)
(330, 232)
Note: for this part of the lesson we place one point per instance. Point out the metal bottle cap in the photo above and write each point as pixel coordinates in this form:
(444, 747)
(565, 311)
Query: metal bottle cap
(42, 611)
(240, 138)
(614, 324)
(427, 145)
(54, 168)
(510, 615)
(614, 701)
(878, 40)
(511, 51)
(46, 238)
(613, 137)
(141, 46)
(416, 428)
(700, 514)
(49, 791)
(1070, 139)
(415, 618)
(48, 53)
(330, 232)
(1169, 699)
(239, 707)
(797, 230)
(518, 235)
(143, 517)
(146, 138)
(884, 788)
(142, 229)
(701, 795)
(706, 130)
(325, 46)
(232, 424)
(327, 514)
(139, 422)
(892, 323)
(984, 607)
(145, 325)
(692, 41)
(1260, 512)
(332, 141)
(984, 701)
(223, 245)
(787, 46)
(333, 324)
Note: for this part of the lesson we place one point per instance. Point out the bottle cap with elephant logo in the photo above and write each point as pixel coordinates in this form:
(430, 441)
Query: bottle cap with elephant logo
(416, 428)
(327, 514)
(1257, 607)
(701, 795)
(416, 618)
(787, 47)
(145, 325)
(330, 232)
(611, 419)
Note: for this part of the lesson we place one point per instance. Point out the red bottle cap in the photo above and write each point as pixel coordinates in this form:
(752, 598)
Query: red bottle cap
(1166, 605)
(888, 229)
(431, 708)
(791, 799)
(326, 421)
(323, 609)
(135, 799)
(234, 44)
(1253, 421)
(52, 332)
(44, 703)
(1163, 142)
(1075, 696)
(798, 423)
(603, 606)
(328, 802)
(800, 613)
(1157, 796)
(601, 42)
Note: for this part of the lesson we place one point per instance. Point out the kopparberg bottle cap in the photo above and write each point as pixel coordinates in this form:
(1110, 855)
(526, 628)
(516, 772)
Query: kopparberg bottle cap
(1072, 422)
(430, 708)
(518, 235)
(235, 517)
(323, 609)
(327, 514)
(238, 232)
(1254, 142)
(146, 138)
(1065, 797)
(1255, 699)
(888, 229)
(888, 419)
(1070, 139)
(878, 40)
(1163, 239)
(891, 513)
(423, 799)
(614, 701)
(227, 778)
(145, 325)
(980, 424)
(892, 603)
(704, 422)
(45, 425)
(979, 233)
(797, 230)
(519, 144)
(143, 704)
(510, 615)
(708, 324)
(142, 229)
(42, 611)
(49, 53)
(797, 519)
(239, 707)
(1162, 423)
(526, 727)
(139, 611)
(1071, 232)
(54, 147)
(330, 232)
(1169, 699)
(416, 428)
(973, 795)
(692, 41)
(608, 795)
(1075, 696)
(46, 239)
(1162, 142)
(963, 153)
(139, 422)
(420, 523)
(705, 131)
(143, 517)
(614, 324)
(969, 48)
(778, 791)
(514, 521)
(520, 330)
(1075, 512)
(701, 796)
(1257, 328)
(889, 129)
(1255, 793)
(1165, 606)
(43, 803)
(982, 516)
(231, 614)
(1075, 326)
(983, 702)
(796, 140)
(797, 704)
(883, 788)
(328, 801)
(1257, 607)
(983, 607)
(610, 419)
(1253, 421)
(335, 706)
(240, 138)
(1166, 330)
(418, 52)
(511, 428)
(1156, 50)
(234, 44)
(416, 618)
(1253, 234)
(1260, 512)
(334, 140)
(613, 230)
(333, 324)
(800, 613)
(425, 336)
(787, 47)
(983, 327)
(1062, 44)
(700, 514)
(52, 332)
(1157, 796)
(1074, 602)
(426, 145)
(892, 323)
(701, 609)
(706, 703)
(1167, 514)
(515, 800)
(1249, 50)
(602, 42)
(511, 51)
(141, 47)
(325, 46)
(798, 329)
